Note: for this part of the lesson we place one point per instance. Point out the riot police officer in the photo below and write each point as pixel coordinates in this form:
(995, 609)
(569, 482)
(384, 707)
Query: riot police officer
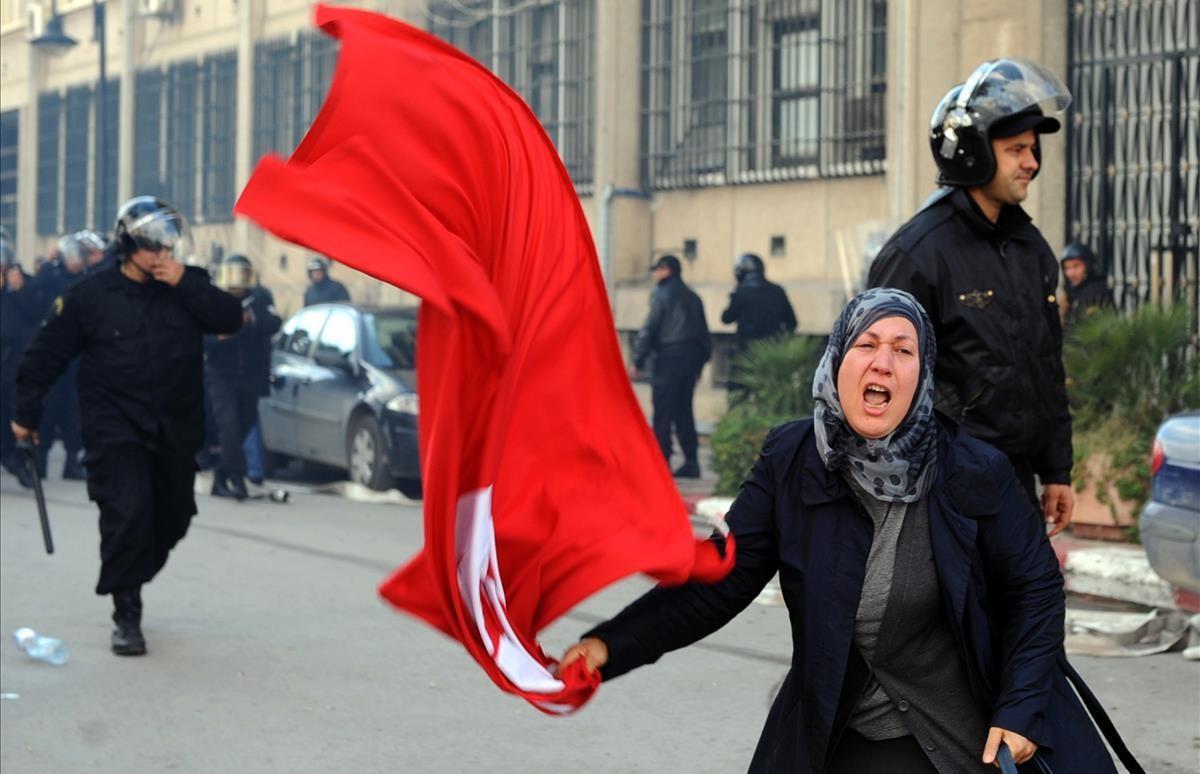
(1085, 283)
(138, 329)
(236, 368)
(987, 277)
(759, 308)
(323, 289)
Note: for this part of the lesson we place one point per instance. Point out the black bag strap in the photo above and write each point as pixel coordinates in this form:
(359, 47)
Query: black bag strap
(1100, 717)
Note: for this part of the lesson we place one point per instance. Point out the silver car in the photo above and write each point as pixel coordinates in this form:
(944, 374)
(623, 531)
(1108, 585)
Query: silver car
(343, 393)
(1170, 524)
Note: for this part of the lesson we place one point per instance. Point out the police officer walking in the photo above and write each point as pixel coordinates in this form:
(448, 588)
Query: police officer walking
(322, 288)
(987, 277)
(236, 368)
(138, 330)
(676, 333)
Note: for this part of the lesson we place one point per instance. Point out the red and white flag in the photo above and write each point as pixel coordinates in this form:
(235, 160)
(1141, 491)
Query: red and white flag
(543, 483)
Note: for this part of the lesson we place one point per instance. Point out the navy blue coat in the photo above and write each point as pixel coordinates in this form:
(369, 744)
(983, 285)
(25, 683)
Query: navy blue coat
(1000, 583)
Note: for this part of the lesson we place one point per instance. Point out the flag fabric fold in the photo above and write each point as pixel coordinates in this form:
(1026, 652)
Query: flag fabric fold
(543, 483)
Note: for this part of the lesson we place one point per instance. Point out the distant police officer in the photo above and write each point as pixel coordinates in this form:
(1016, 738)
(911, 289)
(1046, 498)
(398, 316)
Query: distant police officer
(759, 308)
(1086, 285)
(676, 334)
(322, 289)
(20, 314)
(987, 278)
(138, 330)
(236, 368)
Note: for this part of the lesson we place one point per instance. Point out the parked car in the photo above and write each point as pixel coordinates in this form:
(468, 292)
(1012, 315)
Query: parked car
(1170, 524)
(343, 393)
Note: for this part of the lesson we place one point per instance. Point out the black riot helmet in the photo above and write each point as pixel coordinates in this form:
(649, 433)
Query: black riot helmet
(78, 246)
(1078, 251)
(747, 264)
(318, 263)
(1002, 98)
(236, 273)
(149, 223)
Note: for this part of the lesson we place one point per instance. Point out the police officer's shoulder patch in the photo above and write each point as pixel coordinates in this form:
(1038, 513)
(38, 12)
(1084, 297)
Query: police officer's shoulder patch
(58, 306)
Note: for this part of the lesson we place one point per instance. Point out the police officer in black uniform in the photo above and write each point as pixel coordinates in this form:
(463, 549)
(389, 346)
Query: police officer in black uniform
(138, 330)
(236, 369)
(758, 307)
(987, 277)
(323, 289)
(1085, 283)
(20, 315)
(60, 420)
(676, 333)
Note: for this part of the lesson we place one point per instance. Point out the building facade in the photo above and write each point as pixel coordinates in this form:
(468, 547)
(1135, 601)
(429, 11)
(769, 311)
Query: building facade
(796, 129)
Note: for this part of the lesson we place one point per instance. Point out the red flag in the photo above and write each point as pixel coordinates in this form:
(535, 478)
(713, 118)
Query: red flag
(543, 483)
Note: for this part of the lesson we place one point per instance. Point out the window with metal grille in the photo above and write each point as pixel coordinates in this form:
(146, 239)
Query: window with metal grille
(77, 124)
(218, 112)
(48, 145)
(10, 128)
(291, 80)
(546, 52)
(104, 201)
(761, 90)
(179, 182)
(147, 133)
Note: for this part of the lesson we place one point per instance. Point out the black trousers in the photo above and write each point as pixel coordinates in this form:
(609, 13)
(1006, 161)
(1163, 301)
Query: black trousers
(855, 754)
(234, 411)
(672, 386)
(146, 505)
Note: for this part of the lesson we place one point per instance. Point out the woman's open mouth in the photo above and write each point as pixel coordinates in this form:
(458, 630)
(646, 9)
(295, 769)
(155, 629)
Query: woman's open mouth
(876, 399)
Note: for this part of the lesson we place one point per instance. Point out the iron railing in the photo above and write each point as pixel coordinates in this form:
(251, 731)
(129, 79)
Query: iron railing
(748, 91)
(546, 52)
(1133, 192)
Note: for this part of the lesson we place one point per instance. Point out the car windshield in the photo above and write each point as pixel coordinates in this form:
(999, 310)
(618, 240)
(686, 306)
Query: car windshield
(391, 341)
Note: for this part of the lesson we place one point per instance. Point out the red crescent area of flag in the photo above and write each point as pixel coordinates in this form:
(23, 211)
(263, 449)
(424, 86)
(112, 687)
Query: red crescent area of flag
(543, 483)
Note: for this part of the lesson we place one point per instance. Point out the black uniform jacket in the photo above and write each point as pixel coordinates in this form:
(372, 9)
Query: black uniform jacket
(246, 355)
(675, 326)
(990, 290)
(141, 349)
(327, 291)
(1090, 296)
(1000, 583)
(760, 309)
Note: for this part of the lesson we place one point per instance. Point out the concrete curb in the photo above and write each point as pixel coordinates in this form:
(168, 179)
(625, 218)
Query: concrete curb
(1117, 572)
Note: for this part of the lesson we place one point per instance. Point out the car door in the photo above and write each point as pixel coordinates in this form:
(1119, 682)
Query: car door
(290, 366)
(325, 399)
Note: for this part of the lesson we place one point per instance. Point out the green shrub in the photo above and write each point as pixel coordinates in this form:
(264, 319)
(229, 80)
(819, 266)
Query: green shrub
(1125, 375)
(776, 386)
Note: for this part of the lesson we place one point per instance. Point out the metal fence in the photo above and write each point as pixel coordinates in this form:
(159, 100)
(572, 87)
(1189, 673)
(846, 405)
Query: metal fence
(291, 78)
(185, 124)
(545, 51)
(49, 155)
(747, 91)
(10, 128)
(1133, 189)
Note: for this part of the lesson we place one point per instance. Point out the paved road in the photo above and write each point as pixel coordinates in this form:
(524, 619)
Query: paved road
(270, 652)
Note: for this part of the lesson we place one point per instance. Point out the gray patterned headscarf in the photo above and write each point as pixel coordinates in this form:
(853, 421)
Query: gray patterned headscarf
(898, 467)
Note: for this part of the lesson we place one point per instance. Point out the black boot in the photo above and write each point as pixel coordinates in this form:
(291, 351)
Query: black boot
(237, 485)
(689, 469)
(127, 639)
(220, 485)
(73, 471)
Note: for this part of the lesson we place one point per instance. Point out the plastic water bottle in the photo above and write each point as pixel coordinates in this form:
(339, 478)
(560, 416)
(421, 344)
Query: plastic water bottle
(48, 649)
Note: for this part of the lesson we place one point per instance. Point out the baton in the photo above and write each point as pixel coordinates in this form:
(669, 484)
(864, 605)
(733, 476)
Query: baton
(31, 456)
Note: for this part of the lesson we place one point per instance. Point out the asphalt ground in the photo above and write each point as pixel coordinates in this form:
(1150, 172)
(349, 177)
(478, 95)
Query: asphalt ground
(271, 652)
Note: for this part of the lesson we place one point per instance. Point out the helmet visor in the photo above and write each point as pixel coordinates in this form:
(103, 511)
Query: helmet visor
(235, 276)
(163, 230)
(1005, 87)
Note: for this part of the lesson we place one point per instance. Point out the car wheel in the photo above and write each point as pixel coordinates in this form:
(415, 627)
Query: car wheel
(410, 488)
(365, 455)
